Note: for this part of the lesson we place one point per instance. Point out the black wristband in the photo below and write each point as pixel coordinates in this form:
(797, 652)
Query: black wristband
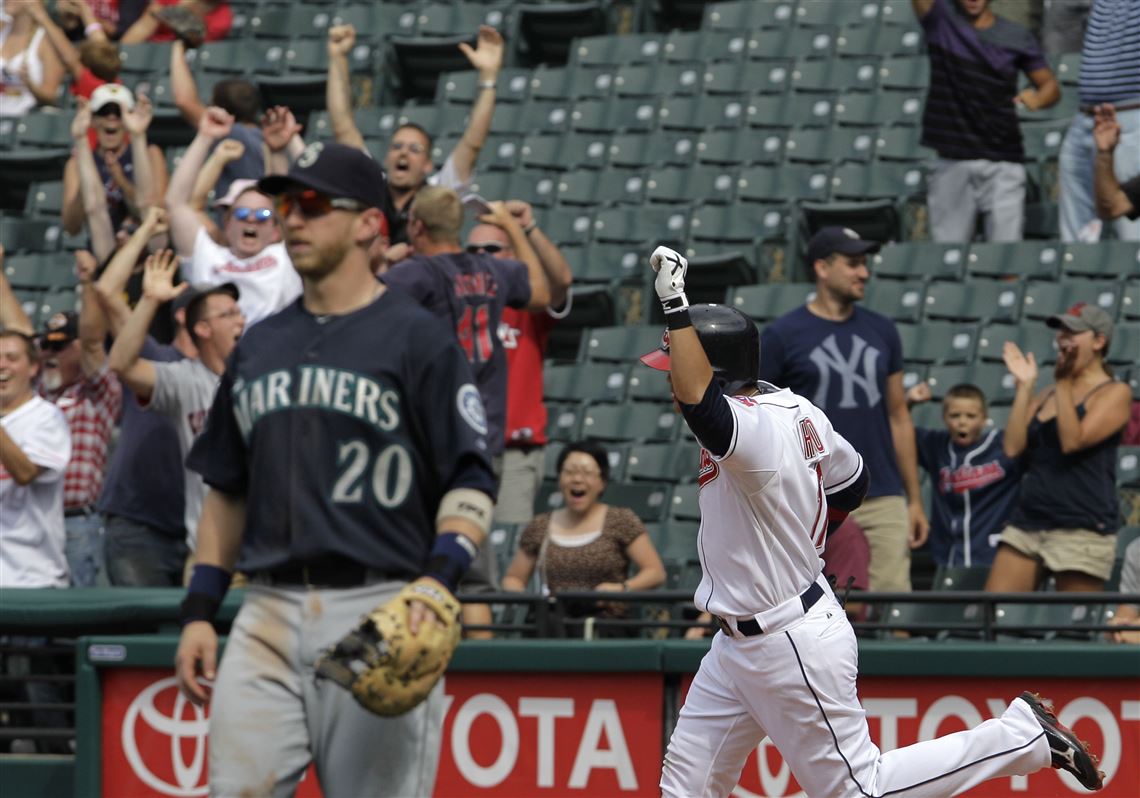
(198, 607)
(678, 319)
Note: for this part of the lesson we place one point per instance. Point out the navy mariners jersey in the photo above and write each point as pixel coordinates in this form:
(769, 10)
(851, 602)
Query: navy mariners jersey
(469, 292)
(343, 433)
(975, 491)
(842, 367)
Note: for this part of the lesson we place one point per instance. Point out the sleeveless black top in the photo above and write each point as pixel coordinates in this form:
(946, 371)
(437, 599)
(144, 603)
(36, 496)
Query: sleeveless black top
(1068, 490)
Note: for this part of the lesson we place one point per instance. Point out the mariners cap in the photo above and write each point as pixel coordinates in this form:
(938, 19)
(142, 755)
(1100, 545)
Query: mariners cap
(199, 291)
(236, 189)
(335, 170)
(829, 240)
(61, 328)
(112, 94)
(1081, 317)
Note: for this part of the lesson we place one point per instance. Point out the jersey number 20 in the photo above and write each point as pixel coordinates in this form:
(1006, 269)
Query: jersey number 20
(391, 474)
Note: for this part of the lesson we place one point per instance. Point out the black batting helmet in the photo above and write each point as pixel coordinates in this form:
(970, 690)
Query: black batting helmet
(730, 340)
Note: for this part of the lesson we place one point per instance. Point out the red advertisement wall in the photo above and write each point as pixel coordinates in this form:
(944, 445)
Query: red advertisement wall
(600, 734)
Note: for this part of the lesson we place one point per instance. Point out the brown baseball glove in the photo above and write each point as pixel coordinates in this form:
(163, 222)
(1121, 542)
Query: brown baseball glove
(186, 25)
(386, 668)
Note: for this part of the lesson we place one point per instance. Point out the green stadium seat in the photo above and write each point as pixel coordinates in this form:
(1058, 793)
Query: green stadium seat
(593, 306)
(905, 72)
(857, 41)
(1021, 260)
(536, 186)
(704, 112)
(1048, 617)
(374, 21)
(606, 263)
(619, 49)
(533, 116)
(676, 544)
(566, 226)
(1035, 338)
(44, 129)
(28, 272)
(974, 301)
(1125, 536)
(656, 80)
(287, 22)
(56, 302)
(942, 621)
(546, 32)
(713, 272)
(775, 44)
(924, 259)
(503, 540)
(492, 185)
(897, 12)
(741, 223)
(513, 86)
(20, 236)
(836, 74)
(741, 15)
(829, 145)
(624, 344)
(614, 115)
(686, 502)
(1128, 466)
(764, 77)
(1068, 68)
(783, 183)
(663, 462)
(1130, 301)
(640, 225)
(649, 500)
(943, 342)
(699, 45)
(837, 12)
(45, 200)
(237, 57)
(880, 107)
(576, 382)
(571, 83)
(414, 64)
(1042, 140)
(1103, 259)
(901, 143)
(901, 300)
(993, 378)
(790, 110)
(631, 421)
(769, 301)
(639, 150)
(1125, 346)
(741, 146)
(1043, 299)
(458, 18)
(568, 151)
(586, 187)
(563, 421)
(144, 59)
(686, 185)
(883, 179)
(877, 220)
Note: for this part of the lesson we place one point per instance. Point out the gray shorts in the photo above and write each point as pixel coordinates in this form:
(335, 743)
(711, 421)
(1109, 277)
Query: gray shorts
(957, 191)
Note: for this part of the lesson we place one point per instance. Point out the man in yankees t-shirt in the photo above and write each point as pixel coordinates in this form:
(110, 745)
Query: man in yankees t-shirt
(847, 360)
(253, 257)
(469, 290)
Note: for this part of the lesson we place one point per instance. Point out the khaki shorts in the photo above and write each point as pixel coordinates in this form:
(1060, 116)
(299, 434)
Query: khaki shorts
(1059, 550)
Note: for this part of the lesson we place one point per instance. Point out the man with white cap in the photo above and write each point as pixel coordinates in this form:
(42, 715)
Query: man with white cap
(253, 256)
(133, 172)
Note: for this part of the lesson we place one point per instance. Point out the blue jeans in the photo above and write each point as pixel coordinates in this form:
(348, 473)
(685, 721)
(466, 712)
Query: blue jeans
(139, 555)
(1075, 164)
(84, 549)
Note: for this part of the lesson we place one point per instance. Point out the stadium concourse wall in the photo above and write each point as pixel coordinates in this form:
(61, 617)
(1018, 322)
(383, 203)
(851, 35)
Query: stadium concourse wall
(529, 717)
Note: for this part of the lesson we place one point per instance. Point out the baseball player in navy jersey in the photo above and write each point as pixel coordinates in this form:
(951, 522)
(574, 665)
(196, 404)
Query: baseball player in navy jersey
(774, 478)
(346, 456)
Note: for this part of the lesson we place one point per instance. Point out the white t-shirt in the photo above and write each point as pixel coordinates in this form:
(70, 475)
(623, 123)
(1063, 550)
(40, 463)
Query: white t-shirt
(31, 516)
(267, 281)
(184, 391)
(764, 503)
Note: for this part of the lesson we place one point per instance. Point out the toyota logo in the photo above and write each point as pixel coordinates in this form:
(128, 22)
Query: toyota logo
(177, 727)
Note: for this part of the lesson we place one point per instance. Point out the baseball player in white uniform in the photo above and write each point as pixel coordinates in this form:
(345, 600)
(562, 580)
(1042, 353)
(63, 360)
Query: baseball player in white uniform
(774, 478)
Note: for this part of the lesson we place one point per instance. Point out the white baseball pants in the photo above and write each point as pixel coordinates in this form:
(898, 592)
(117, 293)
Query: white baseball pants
(796, 685)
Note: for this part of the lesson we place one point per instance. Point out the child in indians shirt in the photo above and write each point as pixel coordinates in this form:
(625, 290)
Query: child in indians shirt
(975, 482)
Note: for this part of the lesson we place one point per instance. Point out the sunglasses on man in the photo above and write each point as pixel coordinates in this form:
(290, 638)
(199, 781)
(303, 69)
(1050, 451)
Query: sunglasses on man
(244, 214)
(491, 248)
(54, 346)
(312, 204)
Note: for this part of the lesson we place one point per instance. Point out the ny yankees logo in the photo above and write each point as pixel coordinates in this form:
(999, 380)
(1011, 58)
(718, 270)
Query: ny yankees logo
(827, 358)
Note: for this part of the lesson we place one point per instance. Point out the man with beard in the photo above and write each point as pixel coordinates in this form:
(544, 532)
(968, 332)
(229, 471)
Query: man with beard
(133, 172)
(183, 389)
(254, 259)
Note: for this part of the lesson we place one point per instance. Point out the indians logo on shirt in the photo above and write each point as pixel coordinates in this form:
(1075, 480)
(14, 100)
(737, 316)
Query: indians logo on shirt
(708, 470)
(969, 477)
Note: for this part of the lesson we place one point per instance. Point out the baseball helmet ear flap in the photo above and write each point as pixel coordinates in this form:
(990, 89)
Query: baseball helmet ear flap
(731, 341)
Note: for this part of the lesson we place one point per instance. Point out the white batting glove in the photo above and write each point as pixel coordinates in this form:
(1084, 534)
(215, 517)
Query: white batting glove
(670, 282)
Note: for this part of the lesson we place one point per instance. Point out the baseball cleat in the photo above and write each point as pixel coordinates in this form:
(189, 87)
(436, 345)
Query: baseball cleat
(1068, 752)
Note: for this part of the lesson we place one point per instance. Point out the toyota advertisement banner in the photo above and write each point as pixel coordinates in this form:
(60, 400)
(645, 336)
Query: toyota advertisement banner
(574, 734)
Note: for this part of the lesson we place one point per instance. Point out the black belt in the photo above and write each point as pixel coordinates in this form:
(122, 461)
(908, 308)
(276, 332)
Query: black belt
(87, 509)
(1131, 105)
(750, 628)
(325, 572)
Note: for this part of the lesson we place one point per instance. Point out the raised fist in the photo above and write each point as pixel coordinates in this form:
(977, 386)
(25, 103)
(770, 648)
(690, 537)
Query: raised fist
(670, 267)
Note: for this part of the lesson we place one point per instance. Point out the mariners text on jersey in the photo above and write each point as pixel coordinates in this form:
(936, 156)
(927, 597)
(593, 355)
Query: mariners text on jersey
(340, 390)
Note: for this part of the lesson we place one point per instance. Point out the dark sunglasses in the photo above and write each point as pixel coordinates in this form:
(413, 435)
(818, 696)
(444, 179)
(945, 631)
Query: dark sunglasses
(243, 214)
(491, 248)
(53, 346)
(312, 204)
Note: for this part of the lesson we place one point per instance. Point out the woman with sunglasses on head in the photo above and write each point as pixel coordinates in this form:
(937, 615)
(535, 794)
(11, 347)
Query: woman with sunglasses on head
(252, 255)
(1067, 514)
(587, 545)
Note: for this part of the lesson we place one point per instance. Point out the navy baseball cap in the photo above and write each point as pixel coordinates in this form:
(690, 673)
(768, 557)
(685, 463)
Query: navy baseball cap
(61, 328)
(336, 170)
(844, 240)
